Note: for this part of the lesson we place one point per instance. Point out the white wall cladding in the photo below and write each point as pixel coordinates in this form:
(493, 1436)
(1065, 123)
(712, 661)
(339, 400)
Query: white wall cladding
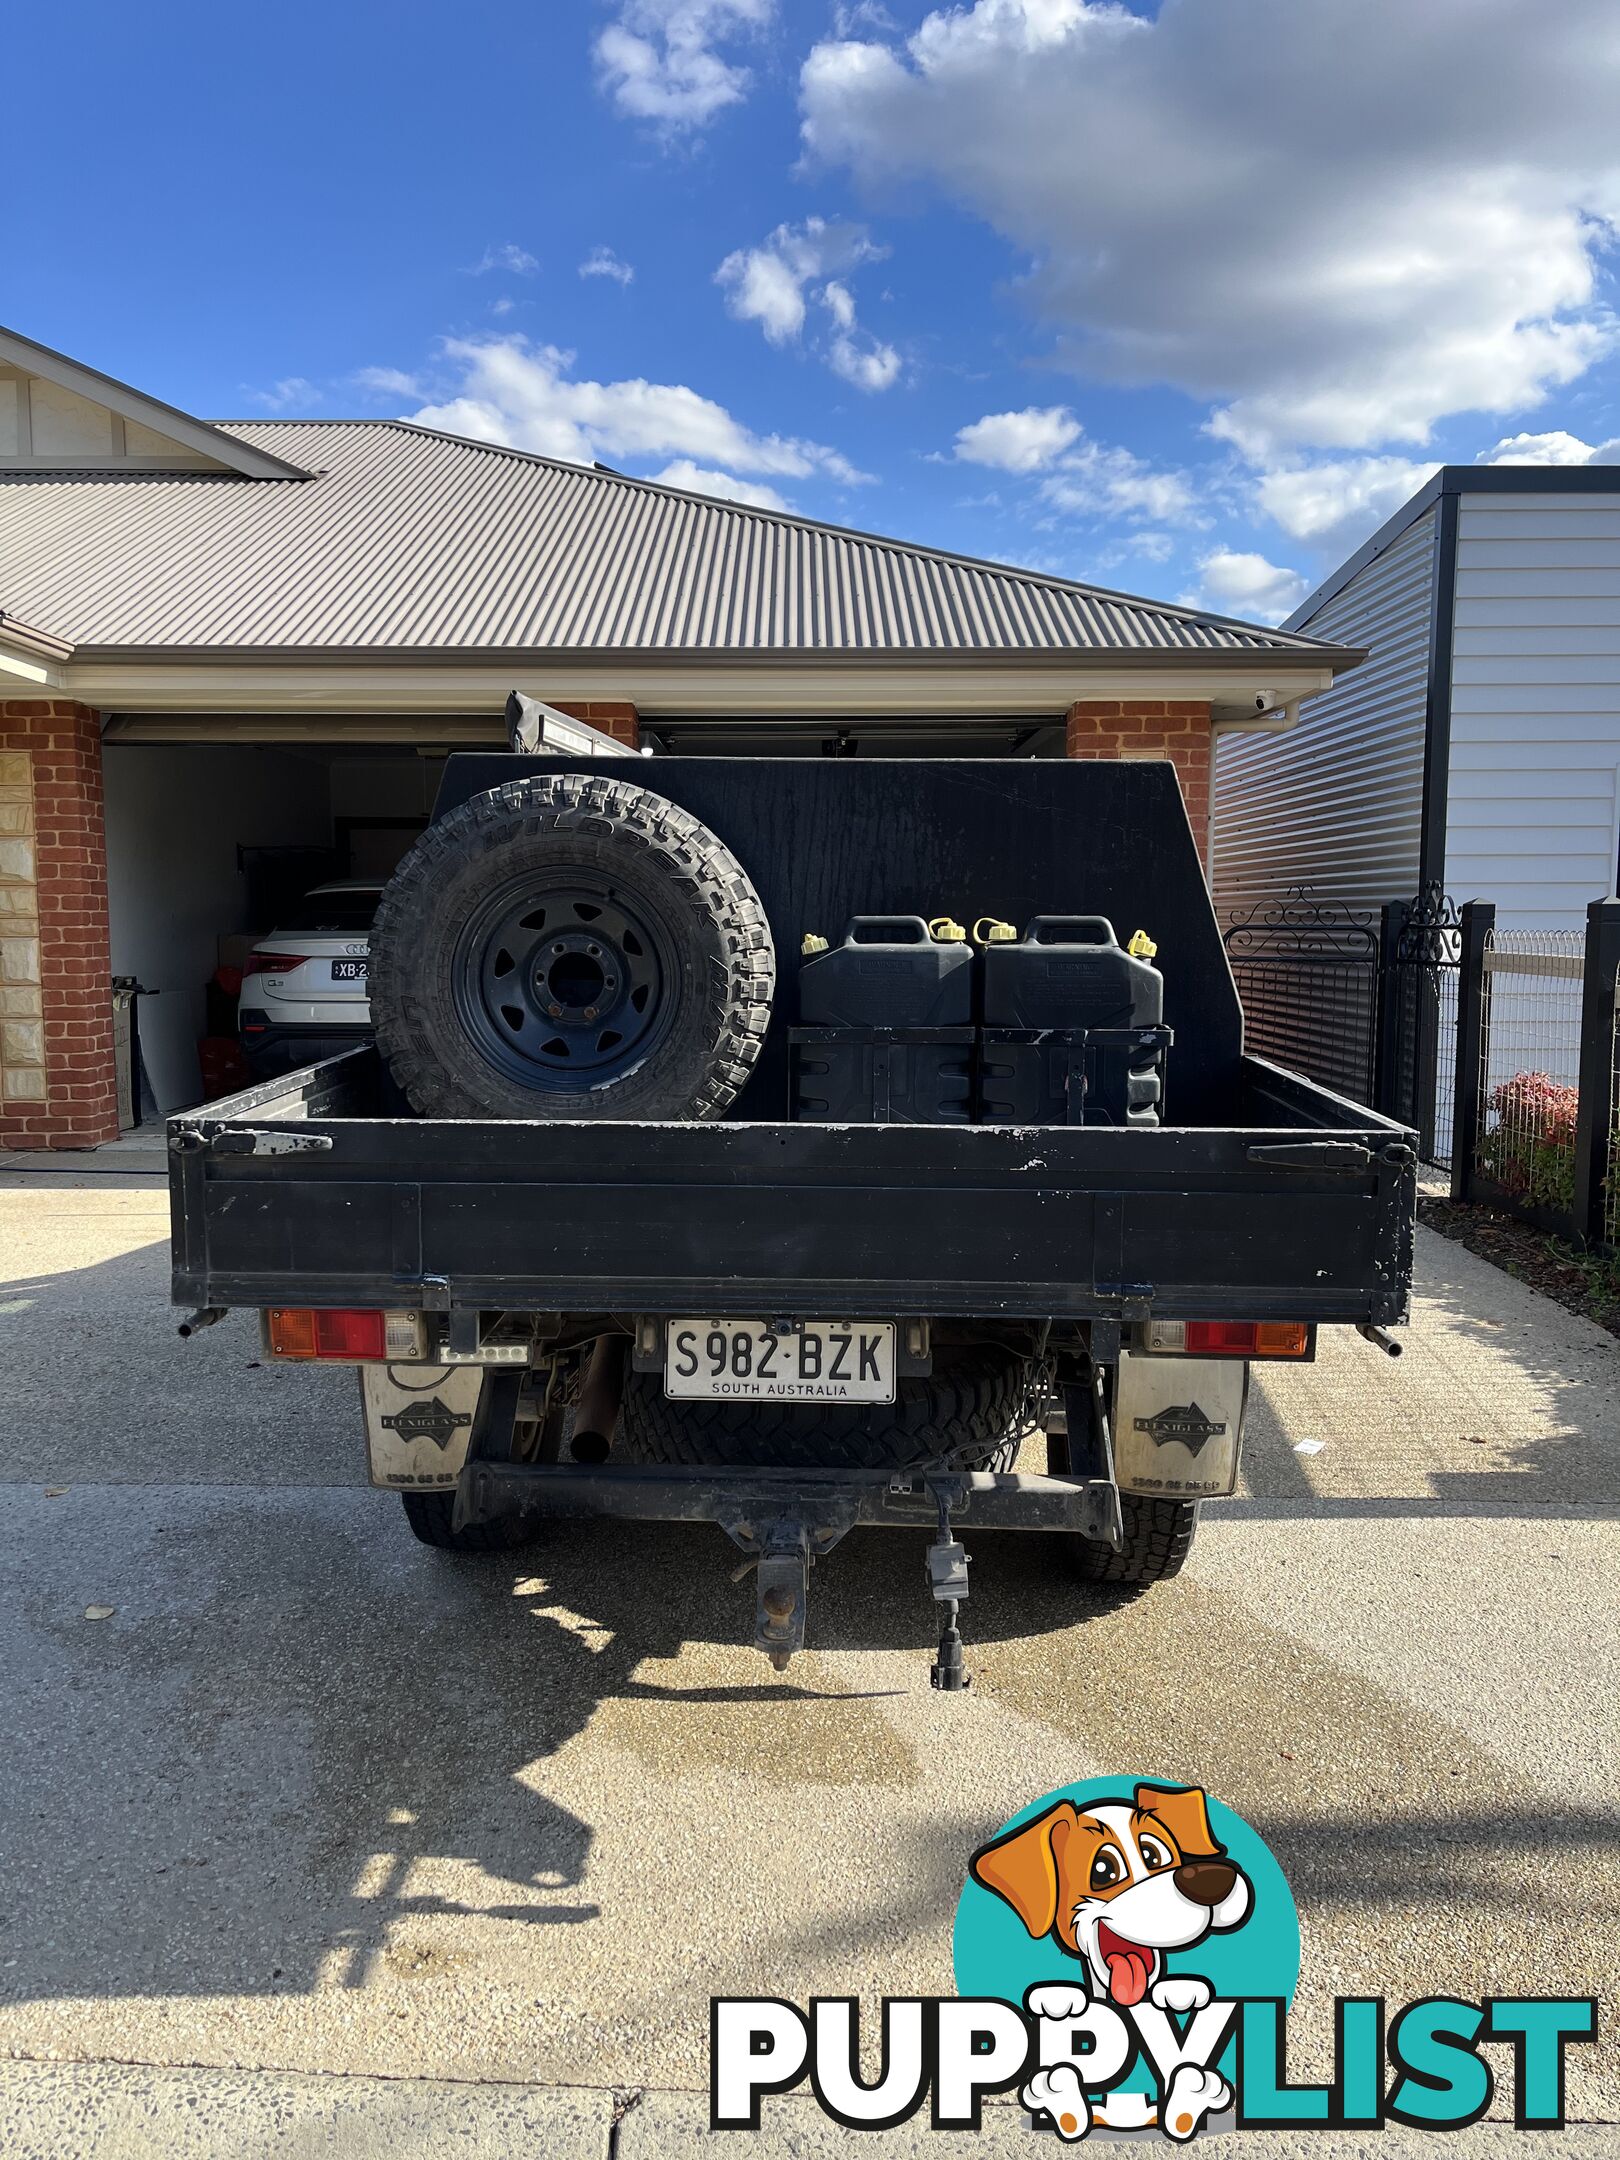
(1336, 802)
(1535, 706)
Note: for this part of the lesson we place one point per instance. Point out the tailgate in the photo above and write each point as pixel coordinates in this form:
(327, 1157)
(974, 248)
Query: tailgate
(279, 1197)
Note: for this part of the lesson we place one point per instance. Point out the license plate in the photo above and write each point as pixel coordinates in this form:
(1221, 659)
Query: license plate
(743, 1360)
(348, 971)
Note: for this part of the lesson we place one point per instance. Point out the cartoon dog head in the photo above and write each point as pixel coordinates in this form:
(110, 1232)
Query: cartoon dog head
(1119, 1882)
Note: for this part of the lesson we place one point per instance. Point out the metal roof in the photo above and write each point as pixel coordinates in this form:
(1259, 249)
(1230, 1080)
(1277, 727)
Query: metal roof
(405, 541)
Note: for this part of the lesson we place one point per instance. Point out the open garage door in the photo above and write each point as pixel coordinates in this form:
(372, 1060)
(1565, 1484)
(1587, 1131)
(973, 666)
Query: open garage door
(210, 846)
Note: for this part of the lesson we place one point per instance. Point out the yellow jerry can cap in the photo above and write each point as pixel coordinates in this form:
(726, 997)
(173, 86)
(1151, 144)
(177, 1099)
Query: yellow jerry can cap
(989, 930)
(944, 931)
(1141, 946)
(812, 943)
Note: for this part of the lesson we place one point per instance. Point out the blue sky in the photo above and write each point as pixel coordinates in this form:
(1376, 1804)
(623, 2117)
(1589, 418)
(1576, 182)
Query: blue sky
(1181, 299)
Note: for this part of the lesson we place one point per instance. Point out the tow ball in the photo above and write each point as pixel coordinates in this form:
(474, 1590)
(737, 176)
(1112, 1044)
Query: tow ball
(785, 1521)
(788, 1549)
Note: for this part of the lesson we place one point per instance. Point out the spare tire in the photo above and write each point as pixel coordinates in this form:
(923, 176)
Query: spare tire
(570, 946)
(970, 1410)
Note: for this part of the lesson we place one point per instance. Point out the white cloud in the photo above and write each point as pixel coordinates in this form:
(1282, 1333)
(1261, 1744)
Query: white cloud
(704, 480)
(282, 396)
(774, 284)
(1018, 442)
(513, 392)
(658, 60)
(1247, 585)
(1336, 504)
(1153, 546)
(766, 284)
(507, 255)
(1339, 223)
(602, 262)
(503, 306)
(1099, 479)
(1083, 478)
(1553, 448)
(858, 357)
(388, 381)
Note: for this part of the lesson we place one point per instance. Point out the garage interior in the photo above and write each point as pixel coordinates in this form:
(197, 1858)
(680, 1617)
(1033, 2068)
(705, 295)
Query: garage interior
(213, 828)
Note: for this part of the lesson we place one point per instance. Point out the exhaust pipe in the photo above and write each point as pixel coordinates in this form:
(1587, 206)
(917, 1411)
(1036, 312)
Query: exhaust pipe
(1377, 1337)
(597, 1412)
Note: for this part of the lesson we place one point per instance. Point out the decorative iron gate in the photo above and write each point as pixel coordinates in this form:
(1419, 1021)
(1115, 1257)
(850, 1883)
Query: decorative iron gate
(1307, 971)
(1417, 1021)
(1365, 1004)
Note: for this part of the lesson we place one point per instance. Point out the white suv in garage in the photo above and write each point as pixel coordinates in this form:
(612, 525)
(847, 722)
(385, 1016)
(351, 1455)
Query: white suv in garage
(304, 986)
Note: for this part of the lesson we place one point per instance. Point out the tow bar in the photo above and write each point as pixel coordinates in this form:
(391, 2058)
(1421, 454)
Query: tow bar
(786, 1520)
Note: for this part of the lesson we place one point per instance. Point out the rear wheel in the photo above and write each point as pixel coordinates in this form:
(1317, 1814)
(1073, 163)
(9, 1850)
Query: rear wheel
(1158, 1533)
(431, 1517)
(1158, 1538)
(970, 1411)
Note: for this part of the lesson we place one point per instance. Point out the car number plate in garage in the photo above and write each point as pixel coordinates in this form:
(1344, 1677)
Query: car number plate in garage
(348, 971)
(744, 1360)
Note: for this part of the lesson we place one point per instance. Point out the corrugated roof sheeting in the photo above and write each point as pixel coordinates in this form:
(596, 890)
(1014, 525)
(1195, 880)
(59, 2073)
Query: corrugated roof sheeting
(410, 540)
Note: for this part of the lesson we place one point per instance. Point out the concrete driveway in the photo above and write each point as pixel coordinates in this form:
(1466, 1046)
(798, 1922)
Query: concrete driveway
(316, 1800)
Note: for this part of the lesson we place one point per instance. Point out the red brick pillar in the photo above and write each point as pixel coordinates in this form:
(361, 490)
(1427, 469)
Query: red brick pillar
(619, 720)
(1177, 729)
(57, 1083)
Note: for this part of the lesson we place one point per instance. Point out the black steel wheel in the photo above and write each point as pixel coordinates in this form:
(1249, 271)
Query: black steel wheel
(570, 946)
(564, 983)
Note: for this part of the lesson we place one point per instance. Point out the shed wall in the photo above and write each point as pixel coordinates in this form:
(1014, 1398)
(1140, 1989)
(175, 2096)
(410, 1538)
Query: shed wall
(1534, 797)
(1335, 804)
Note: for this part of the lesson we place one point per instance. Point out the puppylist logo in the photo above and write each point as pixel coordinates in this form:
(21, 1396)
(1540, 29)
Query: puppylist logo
(1125, 1953)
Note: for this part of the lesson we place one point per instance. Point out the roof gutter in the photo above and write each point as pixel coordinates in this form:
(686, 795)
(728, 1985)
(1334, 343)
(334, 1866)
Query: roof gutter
(1303, 652)
(33, 655)
(941, 686)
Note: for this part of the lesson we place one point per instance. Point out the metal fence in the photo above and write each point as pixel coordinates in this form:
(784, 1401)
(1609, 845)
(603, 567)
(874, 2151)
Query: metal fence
(1421, 949)
(1364, 1003)
(1307, 972)
(1500, 1048)
(1538, 1073)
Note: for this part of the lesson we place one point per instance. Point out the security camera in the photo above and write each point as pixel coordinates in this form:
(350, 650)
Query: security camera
(1261, 701)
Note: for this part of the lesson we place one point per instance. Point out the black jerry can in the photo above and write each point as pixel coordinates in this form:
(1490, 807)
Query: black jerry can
(1069, 971)
(888, 972)
(885, 1034)
(1073, 1028)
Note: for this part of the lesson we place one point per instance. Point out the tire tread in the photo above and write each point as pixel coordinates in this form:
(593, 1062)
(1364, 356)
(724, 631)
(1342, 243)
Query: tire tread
(714, 887)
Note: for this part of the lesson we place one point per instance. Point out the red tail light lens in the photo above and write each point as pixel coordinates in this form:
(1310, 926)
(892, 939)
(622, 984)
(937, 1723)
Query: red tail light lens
(303, 1332)
(272, 963)
(1248, 1338)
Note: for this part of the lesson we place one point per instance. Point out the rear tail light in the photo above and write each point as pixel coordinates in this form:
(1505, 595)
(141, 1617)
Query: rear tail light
(1232, 1338)
(273, 963)
(301, 1331)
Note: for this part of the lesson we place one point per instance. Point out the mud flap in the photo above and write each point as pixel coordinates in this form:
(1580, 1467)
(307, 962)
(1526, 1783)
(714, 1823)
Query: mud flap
(1177, 1425)
(419, 1421)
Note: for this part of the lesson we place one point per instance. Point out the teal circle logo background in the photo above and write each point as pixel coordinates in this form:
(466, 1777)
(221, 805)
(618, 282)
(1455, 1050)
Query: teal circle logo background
(993, 1955)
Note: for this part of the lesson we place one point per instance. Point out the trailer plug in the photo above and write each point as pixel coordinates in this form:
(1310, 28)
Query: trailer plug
(948, 1579)
(946, 1671)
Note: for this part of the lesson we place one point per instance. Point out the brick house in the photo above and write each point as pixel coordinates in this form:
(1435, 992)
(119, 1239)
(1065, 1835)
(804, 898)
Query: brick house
(227, 645)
